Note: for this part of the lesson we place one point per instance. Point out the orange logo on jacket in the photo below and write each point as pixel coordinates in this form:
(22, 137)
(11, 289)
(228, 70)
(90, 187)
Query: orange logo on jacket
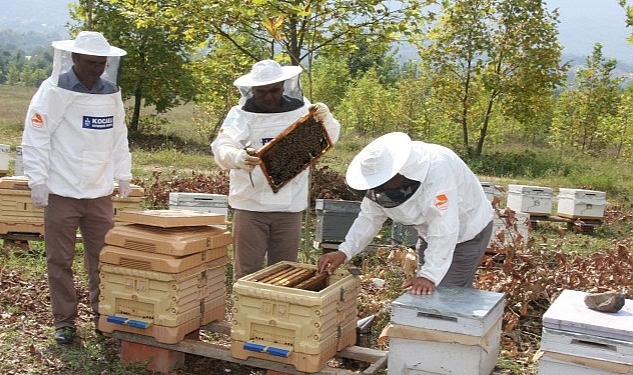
(37, 121)
(441, 202)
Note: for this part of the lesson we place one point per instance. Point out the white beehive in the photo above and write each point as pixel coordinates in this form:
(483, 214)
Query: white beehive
(536, 200)
(579, 203)
(578, 340)
(509, 229)
(5, 156)
(214, 203)
(490, 189)
(452, 331)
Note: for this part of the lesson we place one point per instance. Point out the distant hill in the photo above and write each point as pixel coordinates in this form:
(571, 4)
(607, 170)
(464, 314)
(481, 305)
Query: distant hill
(44, 16)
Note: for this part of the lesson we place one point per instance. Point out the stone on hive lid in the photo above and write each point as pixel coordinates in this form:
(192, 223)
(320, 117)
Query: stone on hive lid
(606, 302)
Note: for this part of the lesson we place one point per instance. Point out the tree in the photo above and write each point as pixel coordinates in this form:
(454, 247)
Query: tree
(594, 95)
(160, 36)
(298, 30)
(492, 56)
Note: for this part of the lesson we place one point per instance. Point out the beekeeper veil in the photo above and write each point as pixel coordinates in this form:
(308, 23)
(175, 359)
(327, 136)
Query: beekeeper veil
(267, 72)
(89, 43)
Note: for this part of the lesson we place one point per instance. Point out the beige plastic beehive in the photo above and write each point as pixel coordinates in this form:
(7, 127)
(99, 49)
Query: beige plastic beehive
(295, 326)
(172, 218)
(163, 299)
(158, 262)
(179, 241)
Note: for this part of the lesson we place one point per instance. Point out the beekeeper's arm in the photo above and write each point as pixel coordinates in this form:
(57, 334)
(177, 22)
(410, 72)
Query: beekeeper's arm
(121, 156)
(230, 148)
(323, 115)
(363, 230)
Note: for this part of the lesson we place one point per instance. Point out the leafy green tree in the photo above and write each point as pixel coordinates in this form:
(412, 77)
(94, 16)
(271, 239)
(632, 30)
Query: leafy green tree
(594, 95)
(161, 37)
(489, 57)
(368, 107)
(296, 31)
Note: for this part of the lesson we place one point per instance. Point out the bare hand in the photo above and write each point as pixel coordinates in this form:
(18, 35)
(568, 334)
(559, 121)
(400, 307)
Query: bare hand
(419, 286)
(329, 262)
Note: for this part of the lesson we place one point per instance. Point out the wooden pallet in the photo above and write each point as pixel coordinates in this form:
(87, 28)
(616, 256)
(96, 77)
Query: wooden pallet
(376, 359)
(580, 224)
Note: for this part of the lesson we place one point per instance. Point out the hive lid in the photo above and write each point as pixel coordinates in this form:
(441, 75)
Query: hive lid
(172, 218)
(177, 241)
(14, 182)
(569, 313)
(537, 190)
(451, 309)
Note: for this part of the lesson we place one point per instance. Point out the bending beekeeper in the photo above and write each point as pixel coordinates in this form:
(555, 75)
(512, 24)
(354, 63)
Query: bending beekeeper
(429, 187)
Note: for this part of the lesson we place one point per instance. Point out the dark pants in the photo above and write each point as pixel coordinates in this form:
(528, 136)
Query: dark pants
(274, 236)
(62, 217)
(466, 258)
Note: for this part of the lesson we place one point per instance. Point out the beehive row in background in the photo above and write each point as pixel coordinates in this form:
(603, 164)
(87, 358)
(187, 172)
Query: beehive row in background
(17, 214)
(164, 274)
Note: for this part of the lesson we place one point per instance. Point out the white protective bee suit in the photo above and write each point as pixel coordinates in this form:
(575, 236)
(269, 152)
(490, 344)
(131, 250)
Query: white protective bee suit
(249, 191)
(448, 208)
(75, 148)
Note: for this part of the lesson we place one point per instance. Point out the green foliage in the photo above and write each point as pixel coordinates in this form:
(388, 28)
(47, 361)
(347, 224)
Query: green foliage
(520, 164)
(582, 118)
(491, 56)
(368, 107)
(161, 37)
(330, 77)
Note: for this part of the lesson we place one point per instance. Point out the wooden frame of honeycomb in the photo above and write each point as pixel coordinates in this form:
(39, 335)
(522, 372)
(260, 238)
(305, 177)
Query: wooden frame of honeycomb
(293, 150)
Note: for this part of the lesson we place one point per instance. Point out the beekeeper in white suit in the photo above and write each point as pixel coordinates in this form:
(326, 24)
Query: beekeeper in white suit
(266, 225)
(74, 149)
(430, 188)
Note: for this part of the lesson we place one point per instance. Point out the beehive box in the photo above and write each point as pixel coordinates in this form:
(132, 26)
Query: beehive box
(15, 202)
(334, 218)
(534, 200)
(179, 241)
(140, 260)
(490, 189)
(163, 305)
(579, 340)
(16, 206)
(301, 145)
(216, 203)
(509, 228)
(452, 331)
(580, 203)
(405, 235)
(5, 157)
(172, 218)
(275, 319)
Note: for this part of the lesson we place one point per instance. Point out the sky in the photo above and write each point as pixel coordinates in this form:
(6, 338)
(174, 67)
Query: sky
(583, 23)
(586, 22)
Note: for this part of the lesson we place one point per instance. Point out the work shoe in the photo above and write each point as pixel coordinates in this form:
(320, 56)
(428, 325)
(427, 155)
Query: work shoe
(64, 335)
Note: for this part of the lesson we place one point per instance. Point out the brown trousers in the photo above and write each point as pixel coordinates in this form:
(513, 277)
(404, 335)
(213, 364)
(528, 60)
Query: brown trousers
(259, 236)
(62, 217)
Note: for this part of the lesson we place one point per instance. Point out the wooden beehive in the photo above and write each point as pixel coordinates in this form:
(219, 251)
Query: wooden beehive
(294, 150)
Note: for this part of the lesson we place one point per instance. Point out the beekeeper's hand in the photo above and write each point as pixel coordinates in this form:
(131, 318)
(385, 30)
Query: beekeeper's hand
(39, 195)
(124, 188)
(329, 262)
(321, 112)
(247, 159)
